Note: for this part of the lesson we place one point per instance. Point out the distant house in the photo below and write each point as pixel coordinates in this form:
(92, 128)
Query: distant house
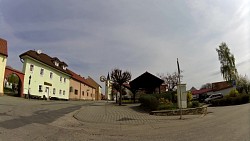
(217, 87)
(98, 88)
(45, 76)
(80, 88)
(3, 61)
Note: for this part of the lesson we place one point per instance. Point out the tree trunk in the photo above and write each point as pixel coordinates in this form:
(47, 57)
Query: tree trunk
(120, 98)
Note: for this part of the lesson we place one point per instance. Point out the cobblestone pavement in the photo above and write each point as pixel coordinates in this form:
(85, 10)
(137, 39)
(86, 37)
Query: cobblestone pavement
(37, 120)
(109, 112)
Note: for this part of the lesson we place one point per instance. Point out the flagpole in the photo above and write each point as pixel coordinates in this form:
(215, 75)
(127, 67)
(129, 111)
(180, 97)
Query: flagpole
(179, 78)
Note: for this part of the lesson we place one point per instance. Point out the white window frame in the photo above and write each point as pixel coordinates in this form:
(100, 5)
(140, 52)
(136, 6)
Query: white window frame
(42, 71)
(60, 92)
(60, 78)
(64, 80)
(54, 91)
(40, 88)
(31, 67)
(51, 75)
(56, 63)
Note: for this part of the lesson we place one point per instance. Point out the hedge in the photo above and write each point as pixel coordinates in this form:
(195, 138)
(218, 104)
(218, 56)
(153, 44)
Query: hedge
(149, 101)
(226, 101)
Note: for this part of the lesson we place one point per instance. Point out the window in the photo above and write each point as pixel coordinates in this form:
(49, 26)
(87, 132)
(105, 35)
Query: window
(40, 88)
(60, 92)
(87, 94)
(63, 92)
(51, 75)
(64, 80)
(60, 79)
(76, 92)
(91, 95)
(64, 67)
(71, 89)
(31, 67)
(54, 90)
(41, 71)
(56, 63)
(83, 93)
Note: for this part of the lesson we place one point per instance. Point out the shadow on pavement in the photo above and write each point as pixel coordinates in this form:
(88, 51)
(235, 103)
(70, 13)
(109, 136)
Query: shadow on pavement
(42, 117)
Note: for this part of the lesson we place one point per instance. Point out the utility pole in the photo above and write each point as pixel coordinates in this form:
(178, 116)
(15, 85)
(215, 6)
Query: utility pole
(179, 84)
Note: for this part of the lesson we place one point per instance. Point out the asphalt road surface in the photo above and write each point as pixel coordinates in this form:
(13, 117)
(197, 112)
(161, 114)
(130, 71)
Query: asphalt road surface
(31, 120)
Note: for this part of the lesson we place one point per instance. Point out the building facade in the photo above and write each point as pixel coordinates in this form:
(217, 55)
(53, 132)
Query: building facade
(45, 77)
(80, 89)
(97, 87)
(3, 61)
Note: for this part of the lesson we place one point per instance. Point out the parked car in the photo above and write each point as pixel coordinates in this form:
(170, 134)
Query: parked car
(213, 96)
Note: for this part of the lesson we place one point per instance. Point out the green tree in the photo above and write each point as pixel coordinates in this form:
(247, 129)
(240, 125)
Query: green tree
(189, 96)
(227, 61)
(243, 84)
(119, 78)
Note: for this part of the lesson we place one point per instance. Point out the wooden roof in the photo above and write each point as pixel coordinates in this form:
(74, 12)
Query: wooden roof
(146, 80)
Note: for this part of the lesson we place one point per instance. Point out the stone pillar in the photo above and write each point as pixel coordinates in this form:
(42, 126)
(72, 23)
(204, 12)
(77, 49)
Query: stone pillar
(181, 90)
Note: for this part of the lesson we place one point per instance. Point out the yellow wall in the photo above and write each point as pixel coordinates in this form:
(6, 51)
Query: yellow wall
(3, 60)
(37, 79)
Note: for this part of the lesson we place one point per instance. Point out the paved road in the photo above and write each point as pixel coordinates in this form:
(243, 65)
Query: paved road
(22, 119)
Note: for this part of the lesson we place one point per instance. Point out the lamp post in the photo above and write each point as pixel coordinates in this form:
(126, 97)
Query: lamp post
(104, 79)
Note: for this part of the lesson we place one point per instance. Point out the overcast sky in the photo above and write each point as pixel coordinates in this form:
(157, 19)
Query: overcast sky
(95, 36)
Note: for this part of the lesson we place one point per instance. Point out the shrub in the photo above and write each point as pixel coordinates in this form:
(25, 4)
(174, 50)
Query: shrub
(233, 93)
(195, 104)
(189, 96)
(241, 99)
(169, 106)
(149, 101)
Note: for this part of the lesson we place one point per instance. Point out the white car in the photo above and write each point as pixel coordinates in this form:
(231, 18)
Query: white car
(213, 96)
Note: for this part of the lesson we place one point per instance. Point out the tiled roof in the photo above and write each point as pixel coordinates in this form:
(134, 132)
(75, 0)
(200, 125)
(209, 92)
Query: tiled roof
(79, 78)
(92, 82)
(3, 47)
(10, 68)
(44, 58)
(202, 91)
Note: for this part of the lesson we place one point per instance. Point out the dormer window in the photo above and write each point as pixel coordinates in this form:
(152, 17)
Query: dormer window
(56, 63)
(64, 67)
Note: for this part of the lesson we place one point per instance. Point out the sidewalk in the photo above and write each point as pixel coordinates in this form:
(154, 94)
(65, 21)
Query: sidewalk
(111, 113)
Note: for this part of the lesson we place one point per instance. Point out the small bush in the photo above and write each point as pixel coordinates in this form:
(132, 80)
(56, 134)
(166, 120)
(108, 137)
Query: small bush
(149, 101)
(241, 99)
(169, 106)
(195, 104)
(233, 93)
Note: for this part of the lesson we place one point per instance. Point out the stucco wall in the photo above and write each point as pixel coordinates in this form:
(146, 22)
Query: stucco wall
(89, 92)
(84, 91)
(37, 79)
(3, 60)
(223, 92)
(75, 86)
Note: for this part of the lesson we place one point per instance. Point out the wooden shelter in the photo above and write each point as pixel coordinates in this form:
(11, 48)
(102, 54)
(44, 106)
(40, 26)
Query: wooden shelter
(146, 82)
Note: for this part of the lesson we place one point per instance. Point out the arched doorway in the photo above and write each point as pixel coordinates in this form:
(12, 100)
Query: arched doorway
(13, 82)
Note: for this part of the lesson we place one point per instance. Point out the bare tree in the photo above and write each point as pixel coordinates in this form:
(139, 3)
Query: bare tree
(171, 80)
(206, 86)
(118, 77)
